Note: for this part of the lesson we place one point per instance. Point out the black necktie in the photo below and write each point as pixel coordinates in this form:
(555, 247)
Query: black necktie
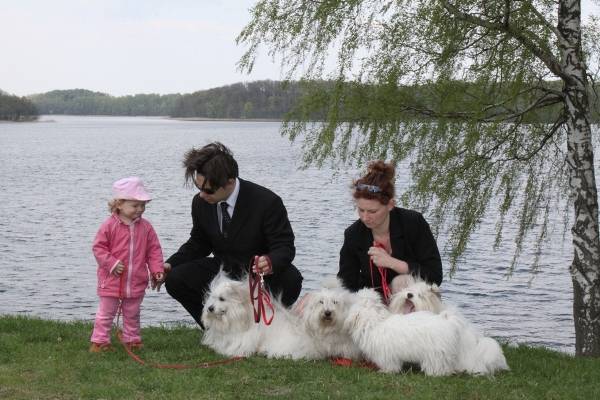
(226, 219)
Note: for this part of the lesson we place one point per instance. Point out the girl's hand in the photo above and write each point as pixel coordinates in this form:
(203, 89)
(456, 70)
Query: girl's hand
(158, 280)
(118, 270)
(156, 283)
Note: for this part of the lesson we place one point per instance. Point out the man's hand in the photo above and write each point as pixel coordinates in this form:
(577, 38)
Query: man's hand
(263, 266)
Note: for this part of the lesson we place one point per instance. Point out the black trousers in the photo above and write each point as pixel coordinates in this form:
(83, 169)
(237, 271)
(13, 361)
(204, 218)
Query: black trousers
(188, 283)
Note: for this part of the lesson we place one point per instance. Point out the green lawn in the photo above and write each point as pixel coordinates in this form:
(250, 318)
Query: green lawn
(42, 359)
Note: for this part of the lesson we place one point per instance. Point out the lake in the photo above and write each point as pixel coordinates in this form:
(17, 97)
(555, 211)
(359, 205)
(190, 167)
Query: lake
(56, 180)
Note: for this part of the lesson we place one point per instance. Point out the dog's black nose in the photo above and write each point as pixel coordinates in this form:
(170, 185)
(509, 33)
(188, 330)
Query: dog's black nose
(211, 309)
(409, 295)
(327, 313)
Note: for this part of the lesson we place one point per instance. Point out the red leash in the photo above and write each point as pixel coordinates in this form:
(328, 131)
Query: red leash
(206, 364)
(387, 292)
(259, 296)
(347, 362)
(137, 359)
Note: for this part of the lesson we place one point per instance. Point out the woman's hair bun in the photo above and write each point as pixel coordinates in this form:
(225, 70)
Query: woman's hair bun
(378, 183)
(379, 167)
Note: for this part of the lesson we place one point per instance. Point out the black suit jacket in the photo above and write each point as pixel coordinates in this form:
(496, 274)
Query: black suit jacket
(259, 226)
(411, 240)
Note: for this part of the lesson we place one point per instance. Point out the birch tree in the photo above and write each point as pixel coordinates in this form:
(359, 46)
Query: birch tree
(462, 90)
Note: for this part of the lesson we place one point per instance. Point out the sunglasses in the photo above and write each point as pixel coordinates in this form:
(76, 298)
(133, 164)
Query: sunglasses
(368, 188)
(202, 189)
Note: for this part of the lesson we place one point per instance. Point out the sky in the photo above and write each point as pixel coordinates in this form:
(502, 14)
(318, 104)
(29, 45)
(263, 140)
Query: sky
(126, 47)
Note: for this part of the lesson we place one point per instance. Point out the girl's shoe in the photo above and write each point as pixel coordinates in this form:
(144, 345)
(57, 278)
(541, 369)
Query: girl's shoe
(100, 347)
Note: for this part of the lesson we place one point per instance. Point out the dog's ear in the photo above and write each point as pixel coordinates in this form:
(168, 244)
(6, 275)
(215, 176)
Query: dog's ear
(351, 321)
(219, 279)
(302, 304)
(240, 290)
(396, 303)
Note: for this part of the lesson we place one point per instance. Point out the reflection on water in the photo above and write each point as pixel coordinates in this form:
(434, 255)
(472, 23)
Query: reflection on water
(56, 180)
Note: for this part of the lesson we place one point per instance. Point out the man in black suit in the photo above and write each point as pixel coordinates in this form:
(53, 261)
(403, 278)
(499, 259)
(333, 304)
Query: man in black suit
(234, 220)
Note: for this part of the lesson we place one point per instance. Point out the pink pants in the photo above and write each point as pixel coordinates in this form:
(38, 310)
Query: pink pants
(107, 310)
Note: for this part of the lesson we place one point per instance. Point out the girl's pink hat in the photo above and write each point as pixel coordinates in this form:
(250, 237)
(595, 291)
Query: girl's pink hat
(130, 188)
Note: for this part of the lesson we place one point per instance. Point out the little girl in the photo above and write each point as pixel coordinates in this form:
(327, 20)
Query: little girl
(126, 247)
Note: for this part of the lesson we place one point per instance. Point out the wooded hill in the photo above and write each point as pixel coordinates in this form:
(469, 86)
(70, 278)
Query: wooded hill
(260, 99)
(274, 99)
(15, 108)
(86, 102)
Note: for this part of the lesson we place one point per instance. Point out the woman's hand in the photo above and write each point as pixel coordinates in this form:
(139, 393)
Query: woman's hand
(382, 259)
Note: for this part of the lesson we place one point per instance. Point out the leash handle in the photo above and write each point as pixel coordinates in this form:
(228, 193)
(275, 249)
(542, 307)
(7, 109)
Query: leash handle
(259, 296)
(385, 288)
(122, 280)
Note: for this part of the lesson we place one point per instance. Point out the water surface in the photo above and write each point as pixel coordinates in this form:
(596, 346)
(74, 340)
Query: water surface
(56, 180)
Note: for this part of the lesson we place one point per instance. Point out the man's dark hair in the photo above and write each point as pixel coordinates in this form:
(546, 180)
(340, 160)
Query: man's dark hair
(214, 162)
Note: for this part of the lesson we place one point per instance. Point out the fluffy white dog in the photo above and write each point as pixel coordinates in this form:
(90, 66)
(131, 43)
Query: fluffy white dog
(478, 354)
(228, 317)
(228, 320)
(419, 296)
(323, 314)
(285, 338)
(390, 340)
(402, 281)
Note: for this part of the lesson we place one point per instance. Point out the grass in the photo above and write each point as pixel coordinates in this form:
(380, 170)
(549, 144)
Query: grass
(42, 359)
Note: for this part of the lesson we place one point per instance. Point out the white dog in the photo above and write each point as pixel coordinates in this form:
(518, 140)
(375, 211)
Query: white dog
(285, 338)
(390, 340)
(402, 281)
(228, 320)
(323, 313)
(478, 354)
(228, 317)
(419, 296)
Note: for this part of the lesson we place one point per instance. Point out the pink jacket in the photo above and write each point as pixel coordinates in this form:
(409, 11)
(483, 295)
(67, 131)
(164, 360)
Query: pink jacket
(136, 246)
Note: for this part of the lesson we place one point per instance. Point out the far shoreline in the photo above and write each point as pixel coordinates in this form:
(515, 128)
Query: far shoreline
(19, 121)
(190, 119)
(199, 119)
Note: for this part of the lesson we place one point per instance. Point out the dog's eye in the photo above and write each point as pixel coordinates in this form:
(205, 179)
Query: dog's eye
(221, 298)
(320, 301)
(335, 302)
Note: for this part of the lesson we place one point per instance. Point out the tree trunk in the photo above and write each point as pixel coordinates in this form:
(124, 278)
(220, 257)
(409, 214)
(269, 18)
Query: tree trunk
(585, 269)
